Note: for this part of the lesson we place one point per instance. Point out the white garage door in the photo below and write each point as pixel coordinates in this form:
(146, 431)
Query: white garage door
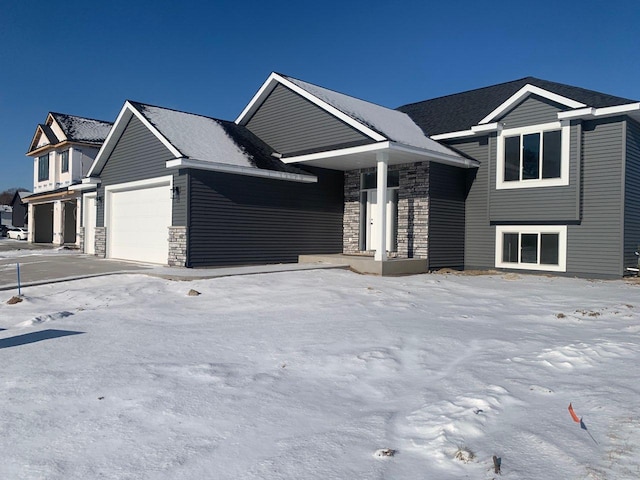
(138, 223)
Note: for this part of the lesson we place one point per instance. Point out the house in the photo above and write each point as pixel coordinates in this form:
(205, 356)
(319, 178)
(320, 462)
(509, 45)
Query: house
(62, 150)
(5, 215)
(19, 214)
(526, 175)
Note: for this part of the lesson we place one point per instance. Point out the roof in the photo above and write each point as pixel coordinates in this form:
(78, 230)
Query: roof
(81, 129)
(21, 195)
(461, 111)
(208, 139)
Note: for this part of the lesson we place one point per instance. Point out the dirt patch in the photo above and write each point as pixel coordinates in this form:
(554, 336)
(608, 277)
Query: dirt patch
(13, 300)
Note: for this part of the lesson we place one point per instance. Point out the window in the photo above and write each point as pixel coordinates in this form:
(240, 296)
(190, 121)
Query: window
(535, 156)
(370, 180)
(64, 161)
(531, 247)
(43, 168)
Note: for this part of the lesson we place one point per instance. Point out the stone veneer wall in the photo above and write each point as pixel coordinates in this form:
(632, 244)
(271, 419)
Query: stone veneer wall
(81, 239)
(101, 242)
(413, 210)
(177, 246)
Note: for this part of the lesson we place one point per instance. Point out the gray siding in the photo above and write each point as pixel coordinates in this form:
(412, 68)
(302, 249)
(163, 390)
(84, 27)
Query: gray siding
(540, 204)
(447, 192)
(531, 111)
(139, 155)
(632, 195)
(594, 246)
(479, 236)
(292, 124)
(238, 220)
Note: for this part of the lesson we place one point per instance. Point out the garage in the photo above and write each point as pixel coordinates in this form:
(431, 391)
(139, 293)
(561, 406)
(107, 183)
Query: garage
(138, 219)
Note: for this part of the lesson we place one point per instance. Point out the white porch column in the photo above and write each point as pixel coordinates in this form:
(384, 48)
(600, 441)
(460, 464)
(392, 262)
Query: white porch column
(30, 223)
(382, 159)
(58, 223)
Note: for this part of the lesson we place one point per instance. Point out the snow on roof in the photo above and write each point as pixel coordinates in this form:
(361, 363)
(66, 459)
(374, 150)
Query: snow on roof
(80, 129)
(394, 125)
(195, 136)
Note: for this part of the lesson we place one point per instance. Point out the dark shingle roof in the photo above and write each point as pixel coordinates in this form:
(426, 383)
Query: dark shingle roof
(80, 129)
(461, 111)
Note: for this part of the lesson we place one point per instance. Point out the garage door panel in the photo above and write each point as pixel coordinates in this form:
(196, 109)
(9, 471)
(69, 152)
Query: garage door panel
(138, 226)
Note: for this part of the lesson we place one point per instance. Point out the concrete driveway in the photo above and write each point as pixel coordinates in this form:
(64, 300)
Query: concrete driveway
(57, 266)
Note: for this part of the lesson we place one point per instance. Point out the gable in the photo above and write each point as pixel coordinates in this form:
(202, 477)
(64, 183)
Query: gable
(292, 125)
(137, 155)
(533, 110)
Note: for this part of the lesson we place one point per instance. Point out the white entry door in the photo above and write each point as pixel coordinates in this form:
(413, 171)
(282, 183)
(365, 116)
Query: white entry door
(89, 222)
(373, 222)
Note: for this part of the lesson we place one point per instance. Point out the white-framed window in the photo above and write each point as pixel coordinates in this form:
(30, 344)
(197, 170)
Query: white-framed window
(532, 247)
(533, 156)
(64, 161)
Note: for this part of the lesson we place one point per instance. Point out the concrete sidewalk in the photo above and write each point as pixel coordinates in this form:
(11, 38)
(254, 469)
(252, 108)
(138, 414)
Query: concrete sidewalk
(59, 267)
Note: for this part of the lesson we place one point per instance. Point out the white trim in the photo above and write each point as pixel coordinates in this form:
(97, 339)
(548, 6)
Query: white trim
(474, 130)
(452, 159)
(87, 184)
(585, 113)
(561, 230)
(127, 111)
(565, 156)
(529, 89)
(240, 170)
(270, 84)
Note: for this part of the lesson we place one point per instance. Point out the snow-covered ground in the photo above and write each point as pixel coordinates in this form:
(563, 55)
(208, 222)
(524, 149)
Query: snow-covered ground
(305, 375)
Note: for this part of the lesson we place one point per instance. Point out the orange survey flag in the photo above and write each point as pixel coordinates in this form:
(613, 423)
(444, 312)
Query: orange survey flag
(573, 414)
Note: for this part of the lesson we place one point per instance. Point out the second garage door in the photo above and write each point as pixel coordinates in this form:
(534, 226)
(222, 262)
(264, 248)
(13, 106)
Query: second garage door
(138, 223)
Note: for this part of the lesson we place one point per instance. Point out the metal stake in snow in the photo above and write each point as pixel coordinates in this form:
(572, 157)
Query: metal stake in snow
(579, 420)
(19, 289)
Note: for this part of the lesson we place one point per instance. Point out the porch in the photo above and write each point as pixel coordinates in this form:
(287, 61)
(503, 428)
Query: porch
(365, 263)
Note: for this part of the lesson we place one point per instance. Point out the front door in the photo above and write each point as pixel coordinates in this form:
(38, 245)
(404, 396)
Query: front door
(373, 222)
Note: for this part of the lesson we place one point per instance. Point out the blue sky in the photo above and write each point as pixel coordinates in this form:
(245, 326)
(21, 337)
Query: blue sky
(87, 58)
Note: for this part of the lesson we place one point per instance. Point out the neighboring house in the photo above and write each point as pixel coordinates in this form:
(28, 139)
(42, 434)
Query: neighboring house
(20, 211)
(529, 175)
(5, 215)
(62, 150)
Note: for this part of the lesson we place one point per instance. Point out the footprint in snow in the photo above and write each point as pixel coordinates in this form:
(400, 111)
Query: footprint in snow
(45, 318)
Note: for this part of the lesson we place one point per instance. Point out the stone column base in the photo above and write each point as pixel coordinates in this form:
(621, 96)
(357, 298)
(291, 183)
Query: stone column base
(177, 247)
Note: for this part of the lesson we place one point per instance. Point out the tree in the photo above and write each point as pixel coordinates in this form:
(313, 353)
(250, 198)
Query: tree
(7, 195)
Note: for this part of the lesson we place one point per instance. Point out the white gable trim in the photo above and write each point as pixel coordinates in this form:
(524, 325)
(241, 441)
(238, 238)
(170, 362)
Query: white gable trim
(240, 170)
(271, 83)
(529, 89)
(585, 113)
(475, 130)
(127, 111)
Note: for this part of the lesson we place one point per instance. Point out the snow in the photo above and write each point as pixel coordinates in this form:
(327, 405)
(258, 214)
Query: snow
(313, 374)
(396, 126)
(196, 136)
(83, 129)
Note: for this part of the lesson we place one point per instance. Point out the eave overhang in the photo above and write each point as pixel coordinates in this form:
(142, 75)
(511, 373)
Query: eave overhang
(365, 156)
(239, 170)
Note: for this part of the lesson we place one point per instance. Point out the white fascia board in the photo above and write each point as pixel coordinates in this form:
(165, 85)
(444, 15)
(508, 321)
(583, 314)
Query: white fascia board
(586, 113)
(87, 184)
(529, 89)
(374, 147)
(270, 84)
(117, 130)
(239, 170)
(474, 130)
(450, 159)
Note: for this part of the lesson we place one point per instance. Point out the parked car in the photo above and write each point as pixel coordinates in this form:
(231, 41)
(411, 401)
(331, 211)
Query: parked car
(17, 233)
(3, 230)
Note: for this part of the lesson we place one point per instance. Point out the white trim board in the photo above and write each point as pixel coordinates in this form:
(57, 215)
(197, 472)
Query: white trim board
(240, 170)
(529, 89)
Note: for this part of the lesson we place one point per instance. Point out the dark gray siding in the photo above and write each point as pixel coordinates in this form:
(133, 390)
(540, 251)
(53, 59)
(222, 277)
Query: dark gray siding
(539, 204)
(292, 124)
(139, 155)
(19, 213)
(479, 237)
(532, 111)
(447, 192)
(238, 220)
(632, 195)
(594, 246)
